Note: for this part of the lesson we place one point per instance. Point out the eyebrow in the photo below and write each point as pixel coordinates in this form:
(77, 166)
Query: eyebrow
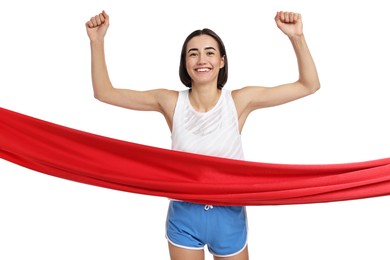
(207, 48)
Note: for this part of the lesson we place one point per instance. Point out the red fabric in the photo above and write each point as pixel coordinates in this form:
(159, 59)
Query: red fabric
(92, 159)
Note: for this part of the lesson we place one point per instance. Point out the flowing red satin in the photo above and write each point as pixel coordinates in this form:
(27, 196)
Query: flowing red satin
(97, 160)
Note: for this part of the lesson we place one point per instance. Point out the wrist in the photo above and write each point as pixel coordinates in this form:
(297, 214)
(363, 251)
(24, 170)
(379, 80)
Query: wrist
(96, 42)
(296, 36)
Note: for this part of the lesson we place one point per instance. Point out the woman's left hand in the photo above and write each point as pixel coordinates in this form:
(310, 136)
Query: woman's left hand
(289, 23)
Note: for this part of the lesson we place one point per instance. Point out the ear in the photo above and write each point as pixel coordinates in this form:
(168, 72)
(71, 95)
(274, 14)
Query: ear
(222, 62)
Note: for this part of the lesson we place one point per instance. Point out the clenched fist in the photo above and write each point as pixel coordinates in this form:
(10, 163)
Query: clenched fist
(97, 26)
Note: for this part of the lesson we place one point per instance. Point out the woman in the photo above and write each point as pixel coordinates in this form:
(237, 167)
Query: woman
(205, 119)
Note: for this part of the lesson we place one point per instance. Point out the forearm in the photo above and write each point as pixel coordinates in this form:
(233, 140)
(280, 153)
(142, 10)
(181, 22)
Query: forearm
(100, 78)
(308, 75)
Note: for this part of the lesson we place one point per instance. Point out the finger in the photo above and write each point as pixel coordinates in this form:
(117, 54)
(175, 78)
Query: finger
(282, 16)
(298, 16)
(287, 17)
(101, 18)
(295, 17)
(106, 18)
(277, 16)
(292, 17)
(98, 21)
(90, 24)
(93, 21)
(105, 15)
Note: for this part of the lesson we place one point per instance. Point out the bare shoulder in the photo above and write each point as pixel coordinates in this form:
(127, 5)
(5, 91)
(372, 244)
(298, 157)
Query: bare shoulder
(166, 98)
(167, 95)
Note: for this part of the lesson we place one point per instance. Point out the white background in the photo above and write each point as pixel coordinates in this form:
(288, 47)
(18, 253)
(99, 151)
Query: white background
(45, 73)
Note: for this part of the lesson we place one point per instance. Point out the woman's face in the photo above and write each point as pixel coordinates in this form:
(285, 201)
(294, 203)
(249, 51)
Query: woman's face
(203, 60)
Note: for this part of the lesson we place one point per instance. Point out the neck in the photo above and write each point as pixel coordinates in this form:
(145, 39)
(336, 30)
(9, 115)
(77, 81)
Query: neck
(204, 99)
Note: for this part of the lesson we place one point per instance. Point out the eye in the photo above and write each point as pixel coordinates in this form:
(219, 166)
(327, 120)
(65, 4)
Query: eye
(193, 54)
(210, 53)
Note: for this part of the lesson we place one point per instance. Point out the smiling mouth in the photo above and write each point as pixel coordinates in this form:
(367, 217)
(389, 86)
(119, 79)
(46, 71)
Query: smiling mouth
(203, 70)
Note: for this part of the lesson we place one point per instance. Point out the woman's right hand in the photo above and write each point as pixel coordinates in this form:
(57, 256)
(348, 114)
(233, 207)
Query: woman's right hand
(97, 26)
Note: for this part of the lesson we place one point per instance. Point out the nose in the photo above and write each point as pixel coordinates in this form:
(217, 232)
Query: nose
(201, 58)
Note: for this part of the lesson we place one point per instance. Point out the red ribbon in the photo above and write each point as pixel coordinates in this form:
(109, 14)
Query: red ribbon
(115, 164)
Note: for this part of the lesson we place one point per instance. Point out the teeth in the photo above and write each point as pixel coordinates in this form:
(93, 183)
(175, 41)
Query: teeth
(203, 70)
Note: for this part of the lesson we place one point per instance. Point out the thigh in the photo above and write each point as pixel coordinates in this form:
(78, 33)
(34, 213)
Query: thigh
(243, 255)
(178, 253)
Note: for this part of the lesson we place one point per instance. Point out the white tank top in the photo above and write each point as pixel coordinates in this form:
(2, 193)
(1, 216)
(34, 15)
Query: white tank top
(214, 133)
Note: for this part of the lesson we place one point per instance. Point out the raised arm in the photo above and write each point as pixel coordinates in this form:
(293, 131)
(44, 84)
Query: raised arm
(160, 100)
(250, 98)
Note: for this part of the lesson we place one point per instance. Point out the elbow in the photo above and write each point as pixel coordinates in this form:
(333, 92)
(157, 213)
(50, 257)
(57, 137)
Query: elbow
(309, 88)
(97, 96)
(103, 93)
(315, 87)
(100, 97)
(312, 87)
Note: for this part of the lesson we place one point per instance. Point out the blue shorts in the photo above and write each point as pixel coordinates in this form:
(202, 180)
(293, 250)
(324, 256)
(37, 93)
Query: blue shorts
(222, 228)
